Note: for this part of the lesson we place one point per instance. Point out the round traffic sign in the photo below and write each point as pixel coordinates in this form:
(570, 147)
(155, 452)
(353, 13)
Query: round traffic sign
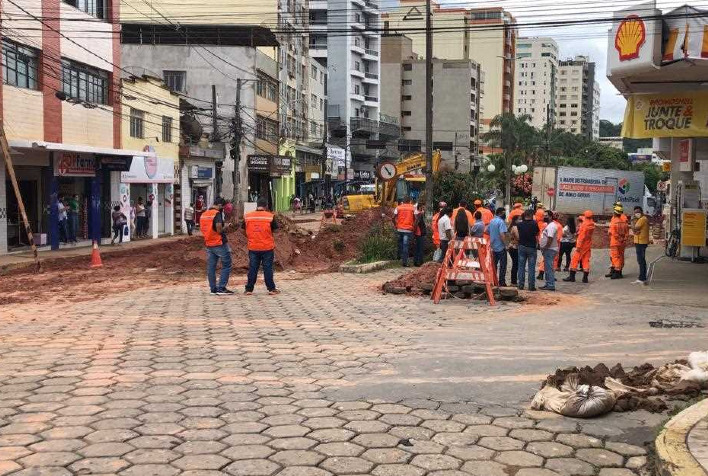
(386, 170)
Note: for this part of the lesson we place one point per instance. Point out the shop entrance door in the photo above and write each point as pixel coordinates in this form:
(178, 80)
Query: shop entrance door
(16, 235)
(160, 209)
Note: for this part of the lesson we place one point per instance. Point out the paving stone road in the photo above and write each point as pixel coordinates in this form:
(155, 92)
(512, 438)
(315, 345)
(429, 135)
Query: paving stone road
(176, 381)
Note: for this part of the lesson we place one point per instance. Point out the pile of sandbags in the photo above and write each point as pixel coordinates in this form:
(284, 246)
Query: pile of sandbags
(586, 393)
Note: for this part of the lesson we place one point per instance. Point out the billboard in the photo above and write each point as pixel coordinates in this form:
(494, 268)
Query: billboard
(679, 114)
(580, 189)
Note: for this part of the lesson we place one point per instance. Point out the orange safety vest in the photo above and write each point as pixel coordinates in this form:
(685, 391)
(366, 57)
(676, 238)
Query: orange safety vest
(515, 212)
(487, 215)
(559, 231)
(619, 229)
(206, 224)
(405, 217)
(470, 216)
(258, 230)
(436, 232)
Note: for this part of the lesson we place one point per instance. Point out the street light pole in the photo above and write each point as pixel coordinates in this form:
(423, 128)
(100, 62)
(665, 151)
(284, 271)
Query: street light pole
(428, 107)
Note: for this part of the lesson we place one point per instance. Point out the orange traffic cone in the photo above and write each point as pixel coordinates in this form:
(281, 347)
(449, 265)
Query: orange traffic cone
(96, 257)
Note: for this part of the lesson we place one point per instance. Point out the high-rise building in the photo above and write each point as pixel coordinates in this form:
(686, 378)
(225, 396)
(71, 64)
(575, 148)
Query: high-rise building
(578, 97)
(535, 80)
(484, 35)
(456, 131)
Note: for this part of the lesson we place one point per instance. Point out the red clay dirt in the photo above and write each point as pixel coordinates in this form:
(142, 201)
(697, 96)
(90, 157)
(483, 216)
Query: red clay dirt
(71, 279)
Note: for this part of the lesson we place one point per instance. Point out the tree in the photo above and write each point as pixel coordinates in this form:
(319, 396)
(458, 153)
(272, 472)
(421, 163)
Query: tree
(609, 129)
(452, 187)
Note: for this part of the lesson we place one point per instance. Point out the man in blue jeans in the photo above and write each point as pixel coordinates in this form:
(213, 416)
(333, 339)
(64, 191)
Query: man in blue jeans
(549, 249)
(497, 237)
(259, 226)
(527, 230)
(217, 247)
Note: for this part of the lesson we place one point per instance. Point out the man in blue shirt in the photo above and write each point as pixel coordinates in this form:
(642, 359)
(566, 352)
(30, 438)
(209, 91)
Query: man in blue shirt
(497, 236)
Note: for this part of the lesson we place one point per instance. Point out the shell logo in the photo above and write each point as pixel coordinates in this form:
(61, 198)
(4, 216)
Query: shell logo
(631, 35)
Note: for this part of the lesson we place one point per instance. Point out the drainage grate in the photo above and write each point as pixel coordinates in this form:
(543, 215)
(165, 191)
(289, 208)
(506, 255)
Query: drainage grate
(675, 324)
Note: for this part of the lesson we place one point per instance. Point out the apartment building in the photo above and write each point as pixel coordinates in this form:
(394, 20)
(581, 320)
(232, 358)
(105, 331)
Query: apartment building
(535, 80)
(578, 97)
(456, 131)
(486, 36)
(61, 109)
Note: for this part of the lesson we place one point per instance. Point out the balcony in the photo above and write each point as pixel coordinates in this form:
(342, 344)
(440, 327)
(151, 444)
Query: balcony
(318, 5)
(358, 23)
(358, 49)
(319, 24)
(319, 52)
(371, 55)
(361, 3)
(371, 101)
(371, 29)
(371, 8)
(371, 78)
(357, 74)
(357, 97)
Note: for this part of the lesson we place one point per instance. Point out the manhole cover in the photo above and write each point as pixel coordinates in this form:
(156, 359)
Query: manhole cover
(674, 324)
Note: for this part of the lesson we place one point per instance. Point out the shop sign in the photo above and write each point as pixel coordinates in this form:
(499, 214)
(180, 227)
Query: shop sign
(666, 115)
(580, 189)
(73, 164)
(362, 175)
(281, 166)
(116, 164)
(686, 155)
(337, 155)
(693, 227)
(259, 163)
(635, 40)
(149, 170)
(687, 37)
(198, 172)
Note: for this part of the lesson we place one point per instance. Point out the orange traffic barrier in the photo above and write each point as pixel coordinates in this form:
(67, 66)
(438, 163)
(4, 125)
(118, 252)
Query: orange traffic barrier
(329, 217)
(467, 260)
(96, 257)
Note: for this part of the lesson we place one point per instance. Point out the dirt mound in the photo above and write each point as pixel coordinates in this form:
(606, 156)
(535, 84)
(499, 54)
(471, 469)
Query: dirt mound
(418, 281)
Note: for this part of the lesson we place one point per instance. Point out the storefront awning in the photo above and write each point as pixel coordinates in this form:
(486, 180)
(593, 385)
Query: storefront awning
(309, 150)
(82, 149)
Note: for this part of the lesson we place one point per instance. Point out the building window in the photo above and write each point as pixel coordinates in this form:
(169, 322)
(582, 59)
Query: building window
(406, 113)
(407, 82)
(406, 129)
(166, 129)
(176, 80)
(95, 8)
(137, 123)
(84, 82)
(313, 100)
(357, 66)
(19, 65)
(321, 104)
(313, 128)
(407, 67)
(314, 72)
(357, 89)
(406, 97)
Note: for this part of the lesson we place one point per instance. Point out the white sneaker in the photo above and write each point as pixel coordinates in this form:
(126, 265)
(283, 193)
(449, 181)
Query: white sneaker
(638, 281)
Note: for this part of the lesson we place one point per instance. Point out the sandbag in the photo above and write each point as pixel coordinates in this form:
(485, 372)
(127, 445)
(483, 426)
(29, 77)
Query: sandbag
(574, 400)
(549, 398)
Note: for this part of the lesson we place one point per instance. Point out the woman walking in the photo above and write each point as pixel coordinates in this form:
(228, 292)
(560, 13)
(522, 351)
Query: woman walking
(568, 241)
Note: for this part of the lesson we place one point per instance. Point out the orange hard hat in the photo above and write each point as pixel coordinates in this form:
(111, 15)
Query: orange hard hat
(588, 214)
(478, 202)
(518, 205)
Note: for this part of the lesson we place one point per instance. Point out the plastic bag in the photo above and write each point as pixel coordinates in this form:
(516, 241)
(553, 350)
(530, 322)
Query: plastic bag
(586, 401)
(699, 367)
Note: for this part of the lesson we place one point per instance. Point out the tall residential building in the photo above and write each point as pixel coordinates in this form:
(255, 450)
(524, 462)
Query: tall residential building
(484, 35)
(456, 131)
(535, 81)
(578, 97)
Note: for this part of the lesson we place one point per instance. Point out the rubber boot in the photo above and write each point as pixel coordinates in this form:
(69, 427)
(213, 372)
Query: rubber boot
(585, 276)
(540, 275)
(619, 274)
(616, 274)
(571, 278)
(611, 273)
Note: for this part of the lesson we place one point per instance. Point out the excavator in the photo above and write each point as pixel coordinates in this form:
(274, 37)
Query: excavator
(395, 180)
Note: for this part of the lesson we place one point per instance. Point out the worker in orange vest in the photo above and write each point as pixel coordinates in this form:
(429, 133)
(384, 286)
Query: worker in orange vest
(487, 215)
(619, 231)
(436, 232)
(404, 221)
(583, 248)
(462, 206)
(211, 222)
(259, 226)
(517, 211)
(559, 237)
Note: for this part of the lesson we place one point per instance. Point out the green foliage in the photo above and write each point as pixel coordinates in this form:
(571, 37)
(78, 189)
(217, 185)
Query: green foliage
(380, 244)
(609, 129)
(451, 187)
(652, 175)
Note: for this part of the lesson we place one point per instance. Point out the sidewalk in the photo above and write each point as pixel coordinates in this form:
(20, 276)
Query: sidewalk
(83, 248)
(698, 442)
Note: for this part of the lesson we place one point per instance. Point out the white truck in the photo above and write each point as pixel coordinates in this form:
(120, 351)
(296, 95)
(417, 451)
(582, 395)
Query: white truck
(573, 190)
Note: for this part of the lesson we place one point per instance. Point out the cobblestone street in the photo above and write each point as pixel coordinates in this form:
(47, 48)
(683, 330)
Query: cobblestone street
(329, 378)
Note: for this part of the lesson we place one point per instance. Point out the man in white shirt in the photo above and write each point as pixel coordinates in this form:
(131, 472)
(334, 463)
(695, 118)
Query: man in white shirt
(444, 231)
(63, 216)
(549, 248)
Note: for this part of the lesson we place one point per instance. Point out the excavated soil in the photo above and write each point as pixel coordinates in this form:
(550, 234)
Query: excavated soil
(71, 279)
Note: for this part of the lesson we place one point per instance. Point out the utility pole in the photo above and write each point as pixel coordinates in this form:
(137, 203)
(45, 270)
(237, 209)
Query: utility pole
(20, 203)
(428, 108)
(214, 123)
(236, 146)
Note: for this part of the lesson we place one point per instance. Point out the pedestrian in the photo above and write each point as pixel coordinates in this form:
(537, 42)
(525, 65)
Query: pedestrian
(462, 226)
(199, 208)
(189, 218)
(148, 213)
(140, 213)
(567, 241)
(478, 227)
(487, 215)
(436, 232)
(419, 233)
(550, 246)
(527, 236)
(462, 206)
(228, 210)
(583, 248)
(404, 221)
(517, 211)
(640, 227)
(296, 205)
(62, 216)
(513, 248)
(213, 227)
(119, 222)
(618, 231)
(497, 231)
(445, 231)
(259, 226)
(73, 216)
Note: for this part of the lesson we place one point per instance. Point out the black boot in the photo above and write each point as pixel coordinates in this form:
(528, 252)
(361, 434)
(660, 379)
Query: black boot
(585, 276)
(571, 278)
(619, 274)
(540, 275)
(616, 274)
(611, 273)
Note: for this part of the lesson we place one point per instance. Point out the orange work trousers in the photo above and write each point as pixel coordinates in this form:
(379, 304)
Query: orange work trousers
(617, 257)
(581, 256)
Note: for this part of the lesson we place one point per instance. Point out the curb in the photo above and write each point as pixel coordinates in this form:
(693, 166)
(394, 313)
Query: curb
(673, 456)
(363, 268)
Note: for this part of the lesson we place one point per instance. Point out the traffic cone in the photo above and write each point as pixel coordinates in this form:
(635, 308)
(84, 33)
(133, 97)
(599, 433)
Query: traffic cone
(96, 257)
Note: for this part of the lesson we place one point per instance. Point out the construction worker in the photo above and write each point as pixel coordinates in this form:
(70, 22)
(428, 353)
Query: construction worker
(517, 211)
(618, 231)
(436, 232)
(259, 226)
(559, 237)
(540, 214)
(404, 221)
(211, 222)
(462, 206)
(487, 215)
(583, 248)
